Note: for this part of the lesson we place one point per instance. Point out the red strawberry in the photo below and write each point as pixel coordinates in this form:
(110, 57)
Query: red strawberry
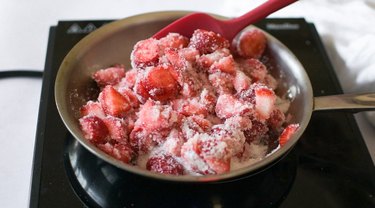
(208, 99)
(190, 155)
(130, 78)
(130, 96)
(173, 40)
(255, 69)
(264, 100)
(207, 42)
(225, 64)
(287, 134)
(189, 107)
(173, 143)
(94, 129)
(241, 82)
(160, 83)
(179, 64)
(172, 57)
(215, 154)
(220, 166)
(145, 53)
(92, 109)
(156, 117)
(227, 106)
(257, 130)
(194, 124)
(251, 43)
(120, 151)
(140, 140)
(189, 54)
(276, 119)
(117, 128)
(109, 76)
(192, 82)
(113, 103)
(238, 122)
(140, 91)
(222, 82)
(164, 164)
(205, 61)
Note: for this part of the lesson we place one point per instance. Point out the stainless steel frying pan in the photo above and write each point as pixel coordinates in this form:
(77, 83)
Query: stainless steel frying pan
(113, 43)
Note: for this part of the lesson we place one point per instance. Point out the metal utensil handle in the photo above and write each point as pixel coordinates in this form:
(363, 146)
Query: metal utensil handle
(347, 102)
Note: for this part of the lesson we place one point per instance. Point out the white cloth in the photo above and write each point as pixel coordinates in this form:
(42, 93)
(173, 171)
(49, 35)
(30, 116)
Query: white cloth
(346, 27)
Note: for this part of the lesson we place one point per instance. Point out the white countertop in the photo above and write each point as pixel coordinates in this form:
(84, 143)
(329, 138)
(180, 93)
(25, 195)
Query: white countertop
(23, 42)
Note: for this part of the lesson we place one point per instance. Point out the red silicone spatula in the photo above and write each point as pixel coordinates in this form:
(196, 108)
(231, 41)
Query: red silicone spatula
(229, 28)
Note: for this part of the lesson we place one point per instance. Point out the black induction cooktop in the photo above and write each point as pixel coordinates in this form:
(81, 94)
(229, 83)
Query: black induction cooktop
(329, 167)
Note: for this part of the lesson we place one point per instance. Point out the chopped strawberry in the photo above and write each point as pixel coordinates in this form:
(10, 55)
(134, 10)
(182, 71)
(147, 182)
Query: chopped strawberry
(172, 57)
(219, 166)
(287, 134)
(189, 107)
(232, 138)
(141, 140)
(194, 124)
(156, 117)
(178, 63)
(192, 83)
(173, 143)
(276, 119)
(164, 164)
(203, 123)
(117, 128)
(130, 120)
(225, 64)
(264, 100)
(173, 40)
(192, 159)
(141, 91)
(113, 103)
(109, 76)
(153, 125)
(130, 78)
(251, 43)
(207, 41)
(241, 82)
(120, 151)
(257, 130)
(208, 99)
(189, 54)
(239, 122)
(92, 109)
(205, 61)
(255, 69)
(160, 83)
(227, 106)
(222, 82)
(130, 96)
(94, 129)
(145, 53)
(215, 154)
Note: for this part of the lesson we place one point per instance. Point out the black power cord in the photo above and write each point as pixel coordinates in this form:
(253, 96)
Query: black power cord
(21, 73)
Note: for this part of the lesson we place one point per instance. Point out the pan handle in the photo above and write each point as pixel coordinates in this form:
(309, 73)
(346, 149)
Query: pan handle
(346, 102)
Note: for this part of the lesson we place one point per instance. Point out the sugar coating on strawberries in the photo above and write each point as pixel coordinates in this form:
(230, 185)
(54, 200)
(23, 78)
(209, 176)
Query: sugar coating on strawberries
(197, 106)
